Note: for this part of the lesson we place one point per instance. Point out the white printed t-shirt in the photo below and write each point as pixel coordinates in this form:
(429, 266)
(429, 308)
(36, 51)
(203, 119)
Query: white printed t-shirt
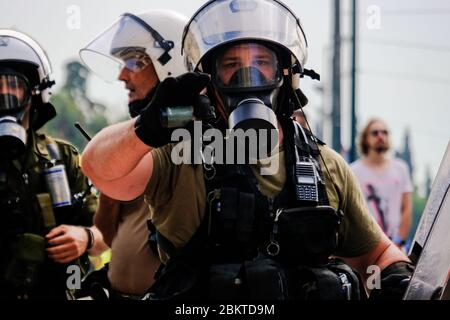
(383, 191)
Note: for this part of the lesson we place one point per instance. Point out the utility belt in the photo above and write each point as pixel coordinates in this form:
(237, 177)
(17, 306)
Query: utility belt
(267, 279)
(260, 279)
(119, 296)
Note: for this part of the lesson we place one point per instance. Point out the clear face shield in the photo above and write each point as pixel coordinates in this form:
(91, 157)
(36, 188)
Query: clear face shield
(223, 21)
(15, 96)
(247, 66)
(133, 58)
(121, 46)
(14, 93)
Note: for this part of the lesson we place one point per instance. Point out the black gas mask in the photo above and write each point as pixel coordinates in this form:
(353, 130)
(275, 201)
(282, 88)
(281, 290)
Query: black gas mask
(15, 96)
(247, 77)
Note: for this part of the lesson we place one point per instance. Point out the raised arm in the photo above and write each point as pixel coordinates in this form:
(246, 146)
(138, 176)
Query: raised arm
(118, 162)
(118, 159)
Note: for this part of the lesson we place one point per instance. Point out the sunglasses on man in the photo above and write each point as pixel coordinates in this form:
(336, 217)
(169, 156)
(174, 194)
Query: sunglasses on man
(375, 133)
(137, 63)
(134, 58)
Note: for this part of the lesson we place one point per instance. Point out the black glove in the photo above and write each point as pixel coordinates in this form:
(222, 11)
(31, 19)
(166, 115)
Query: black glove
(180, 91)
(394, 281)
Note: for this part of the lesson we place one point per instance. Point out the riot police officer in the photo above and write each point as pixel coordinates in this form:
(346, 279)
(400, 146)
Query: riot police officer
(145, 49)
(232, 230)
(45, 199)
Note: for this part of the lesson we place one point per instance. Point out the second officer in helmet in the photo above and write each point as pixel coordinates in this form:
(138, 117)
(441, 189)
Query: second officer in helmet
(140, 50)
(45, 200)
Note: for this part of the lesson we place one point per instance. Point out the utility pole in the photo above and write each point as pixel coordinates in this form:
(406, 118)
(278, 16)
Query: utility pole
(353, 154)
(336, 86)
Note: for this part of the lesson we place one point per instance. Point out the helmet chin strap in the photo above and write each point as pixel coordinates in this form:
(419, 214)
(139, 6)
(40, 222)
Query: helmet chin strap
(25, 117)
(220, 107)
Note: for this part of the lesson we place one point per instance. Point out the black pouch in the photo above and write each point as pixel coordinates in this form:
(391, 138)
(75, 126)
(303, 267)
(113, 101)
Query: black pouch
(225, 282)
(23, 269)
(308, 234)
(332, 281)
(259, 279)
(266, 280)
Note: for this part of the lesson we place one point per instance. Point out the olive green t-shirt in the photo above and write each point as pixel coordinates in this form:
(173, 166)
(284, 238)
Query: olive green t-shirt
(177, 199)
(132, 265)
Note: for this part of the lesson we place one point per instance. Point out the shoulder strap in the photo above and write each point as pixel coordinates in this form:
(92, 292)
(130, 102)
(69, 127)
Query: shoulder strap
(52, 146)
(45, 202)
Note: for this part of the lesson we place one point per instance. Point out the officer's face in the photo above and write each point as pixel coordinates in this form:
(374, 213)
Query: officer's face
(246, 55)
(378, 137)
(13, 86)
(139, 83)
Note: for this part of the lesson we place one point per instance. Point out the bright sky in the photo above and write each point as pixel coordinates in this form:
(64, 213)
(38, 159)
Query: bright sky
(404, 65)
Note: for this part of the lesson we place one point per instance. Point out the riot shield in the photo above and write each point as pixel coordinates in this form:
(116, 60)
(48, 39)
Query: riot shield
(431, 246)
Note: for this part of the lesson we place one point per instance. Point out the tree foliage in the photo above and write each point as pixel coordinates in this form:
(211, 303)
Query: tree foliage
(73, 105)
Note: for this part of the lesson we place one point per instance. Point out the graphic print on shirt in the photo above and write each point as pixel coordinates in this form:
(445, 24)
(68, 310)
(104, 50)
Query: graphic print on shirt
(378, 206)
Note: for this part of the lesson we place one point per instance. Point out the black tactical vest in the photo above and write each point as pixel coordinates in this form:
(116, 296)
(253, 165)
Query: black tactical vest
(26, 217)
(240, 218)
(20, 182)
(250, 246)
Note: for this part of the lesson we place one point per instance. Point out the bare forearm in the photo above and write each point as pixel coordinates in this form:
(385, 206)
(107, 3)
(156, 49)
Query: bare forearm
(384, 254)
(389, 256)
(114, 152)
